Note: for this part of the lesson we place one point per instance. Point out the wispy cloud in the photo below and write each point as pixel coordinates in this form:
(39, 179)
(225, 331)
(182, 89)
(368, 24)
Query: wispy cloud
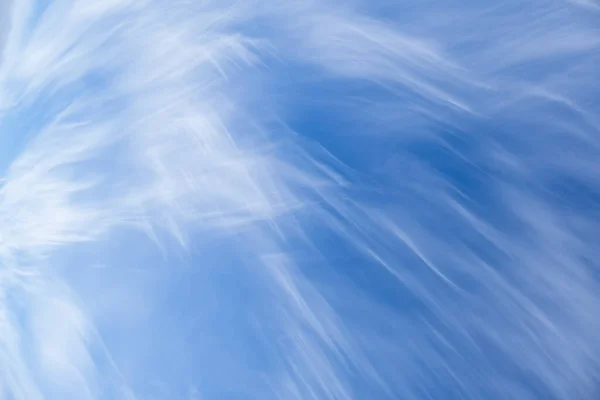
(454, 252)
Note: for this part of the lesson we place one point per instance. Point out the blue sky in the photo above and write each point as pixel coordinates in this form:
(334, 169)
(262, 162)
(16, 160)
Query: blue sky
(299, 200)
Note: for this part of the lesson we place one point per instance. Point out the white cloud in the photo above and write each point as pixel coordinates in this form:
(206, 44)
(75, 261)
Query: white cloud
(151, 115)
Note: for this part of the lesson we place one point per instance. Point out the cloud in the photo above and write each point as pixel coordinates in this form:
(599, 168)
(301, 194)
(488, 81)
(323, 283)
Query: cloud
(452, 253)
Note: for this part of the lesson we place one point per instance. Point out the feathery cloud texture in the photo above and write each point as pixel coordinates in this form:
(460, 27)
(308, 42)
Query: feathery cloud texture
(306, 200)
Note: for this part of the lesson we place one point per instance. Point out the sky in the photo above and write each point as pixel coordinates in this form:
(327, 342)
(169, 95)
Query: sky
(304, 199)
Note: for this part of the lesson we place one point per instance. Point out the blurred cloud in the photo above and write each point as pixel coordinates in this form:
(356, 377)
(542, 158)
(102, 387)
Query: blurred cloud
(157, 137)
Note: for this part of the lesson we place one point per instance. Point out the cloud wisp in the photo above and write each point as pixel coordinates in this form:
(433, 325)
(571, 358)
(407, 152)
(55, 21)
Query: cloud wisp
(308, 200)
